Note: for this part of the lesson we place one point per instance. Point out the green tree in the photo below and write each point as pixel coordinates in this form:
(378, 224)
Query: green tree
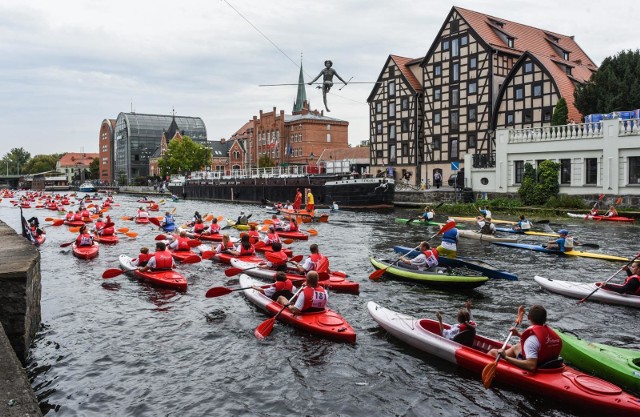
(15, 160)
(41, 163)
(614, 87)
(266, 162)
(539, 186)
(560, 113)
(94, 169)
(183, 156)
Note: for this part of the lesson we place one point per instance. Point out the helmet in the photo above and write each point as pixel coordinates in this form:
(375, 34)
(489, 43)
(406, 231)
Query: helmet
(563, 232)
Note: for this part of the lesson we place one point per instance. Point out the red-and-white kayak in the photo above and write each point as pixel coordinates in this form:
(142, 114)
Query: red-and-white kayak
(564, 384)
(327, 323)
(109, 239)
(226, 258)
(333, 282)
(86, 252)
(168, 279)
(602, 218)
(142, 220)
(292, 235)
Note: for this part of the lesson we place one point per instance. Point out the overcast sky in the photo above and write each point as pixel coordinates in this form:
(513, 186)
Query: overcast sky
(66, 65)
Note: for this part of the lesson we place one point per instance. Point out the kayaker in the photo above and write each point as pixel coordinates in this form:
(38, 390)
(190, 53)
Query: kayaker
(310, 202)
(143, 257)
(523, 224)
(612, 212)
(84, 238)
(427, 260)
(485, 212)
(292, 226)
(242, 219)
(253, 233)
(244, 248)
(213, 229)
(278, 259)
(142, 213)
(69, 216)
(315, 262)
(538, 345)
(226, 246)
(275, 221)
(271, 237)
(312, 298)
(288, 205)
(594, 211)
(297, 201)
(199, 227)
(195, 218)
(280, 291)
(161, 260)
(181, 243)
(34, 224)
(487, 227)
(334, 206)
(465, 322)
(169, 223)
(428, 214)
(564, 243)
(631, 284)
(449, 245)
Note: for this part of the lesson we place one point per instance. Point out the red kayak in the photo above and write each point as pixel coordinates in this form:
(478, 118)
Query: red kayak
(215, 237)
(40, 239)
(86, 252)
(142, 220)
(226, 258)
(602, 218)
(110, 239)
(292, 235)
(168, 279)
(146, 201)
(181, 255)
(268, 248)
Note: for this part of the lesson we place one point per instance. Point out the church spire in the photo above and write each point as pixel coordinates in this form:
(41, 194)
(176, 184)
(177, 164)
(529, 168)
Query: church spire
(301, 97)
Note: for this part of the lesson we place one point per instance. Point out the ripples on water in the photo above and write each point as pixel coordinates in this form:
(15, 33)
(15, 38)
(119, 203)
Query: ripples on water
(120, 347)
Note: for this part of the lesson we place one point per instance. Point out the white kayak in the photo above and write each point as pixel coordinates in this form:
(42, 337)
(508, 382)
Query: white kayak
(473, 234)
(582, 289)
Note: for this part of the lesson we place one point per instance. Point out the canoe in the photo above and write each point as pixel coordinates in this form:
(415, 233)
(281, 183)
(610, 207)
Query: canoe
(471, 263)
(473, 219)
(327, 324)
(582, 289)
(331, 281)
(526, 232)
(618, 365)
(86, 252)
(292, 235)
(474, 234)
(142, 220)
(540, 248)
(181, 255)
(418, 222)
(434, 279)
(601, 218)
(168, 279)
(110, 239)
(563, 384)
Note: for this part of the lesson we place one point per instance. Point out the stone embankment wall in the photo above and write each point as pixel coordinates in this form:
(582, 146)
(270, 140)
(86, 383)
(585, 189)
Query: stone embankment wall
(20, 291)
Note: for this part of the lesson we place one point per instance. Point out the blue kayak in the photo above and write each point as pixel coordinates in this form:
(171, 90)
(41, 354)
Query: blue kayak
(470, 263)
(540, 248)
(169, 228)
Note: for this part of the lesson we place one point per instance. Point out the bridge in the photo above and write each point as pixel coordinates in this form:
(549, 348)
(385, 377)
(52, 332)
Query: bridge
(10, 181)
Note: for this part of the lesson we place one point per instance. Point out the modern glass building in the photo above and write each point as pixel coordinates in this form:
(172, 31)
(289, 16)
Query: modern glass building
(137, 136)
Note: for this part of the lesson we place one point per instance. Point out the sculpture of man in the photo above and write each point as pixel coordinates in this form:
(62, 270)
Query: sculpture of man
(327, 76)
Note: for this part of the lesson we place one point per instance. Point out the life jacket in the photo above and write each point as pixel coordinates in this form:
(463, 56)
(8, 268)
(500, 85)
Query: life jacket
(293, 227)
(198, 227)
(142, 214)
(168, 220)
(77, 217)
(272, 238)
(164, 260)
(100, 225)
(70, 216)
(550, 342)
(450, 236)
(432, 257)
(183, 243)
(629, 278)
(214, 228)
(320, 262)
(247, 252)
(283, 285)
(277, 224)
(568, 243)
(229, 245)
(108, 231)
(314, 298)
(143, 258)
(279, 261)
(85, 213)
(486, 229)
(253, 233)
(525, 224)
(84, 239)
(466, 326)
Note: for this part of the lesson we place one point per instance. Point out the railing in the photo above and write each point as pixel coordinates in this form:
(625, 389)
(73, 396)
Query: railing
(552, 133)
(629, 127)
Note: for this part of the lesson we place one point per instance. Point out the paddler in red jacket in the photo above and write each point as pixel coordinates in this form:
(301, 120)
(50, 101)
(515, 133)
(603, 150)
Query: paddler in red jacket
(84, 238)
(465, 322)
(427, 260)
(271, 238)
(181, 243)
(292, 226)
(315, 262)
(280, 291)
(277, 259)
(312, 298)
(276, 223)
(226, 246)
(538, 343)
(143, 258)
(245, 248)
(161, 260)
(297, 202)
(253, 233)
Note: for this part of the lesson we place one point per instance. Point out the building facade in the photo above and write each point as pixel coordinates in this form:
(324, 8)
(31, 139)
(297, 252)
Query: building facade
(76, 166)
(105, 146)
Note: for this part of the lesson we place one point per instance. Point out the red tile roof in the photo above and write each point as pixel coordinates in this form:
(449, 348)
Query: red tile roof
(73, 159)
(404, 63)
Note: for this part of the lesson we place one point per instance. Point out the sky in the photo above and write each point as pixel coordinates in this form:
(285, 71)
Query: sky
(69, 64)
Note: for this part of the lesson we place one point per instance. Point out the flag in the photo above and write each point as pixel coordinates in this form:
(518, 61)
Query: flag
(26, 230)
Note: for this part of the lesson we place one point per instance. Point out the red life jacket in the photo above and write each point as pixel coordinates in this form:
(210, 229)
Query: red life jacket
(314, 298)
(464, 326)
(214, 228)
(629, 278)
(283, 285)
(99, 225)
(69, 217)
(550, 342)
(198, 228)
(183, 243)
(107, 231)
(143, 258)
(247, 252)
(293, 227)
(279, 258)
(253, 233)
(320, 262)
(272, 238)
(84, 239)
(432, 257)
(85, 213)
(77, 217)
(164, 260)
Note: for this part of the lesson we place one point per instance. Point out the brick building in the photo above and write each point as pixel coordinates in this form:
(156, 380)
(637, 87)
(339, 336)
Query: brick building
(105, 142)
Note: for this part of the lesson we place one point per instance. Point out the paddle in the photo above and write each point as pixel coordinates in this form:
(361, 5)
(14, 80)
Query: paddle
(64, 245)
(126, 218)
(489, 371)
(380, 272)
(131, 234)
(218, 291)
(154, 221)
(230, 272)
(312, 232)
(270, 257)
(57, 222)
(161, 237)
(123, 230)
(609, 279)
(265, 328)
(112, 273)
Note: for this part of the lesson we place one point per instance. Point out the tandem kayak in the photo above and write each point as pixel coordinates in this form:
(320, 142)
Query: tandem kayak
(479, 265)
(334, 282)
(435, 279)
(582, 289)
(564, 384)
(86, 252)
(615, 364)
(601, 218)
(168, 279)
(540, 248)
(327, 323)
(526, 232)
(474, 234)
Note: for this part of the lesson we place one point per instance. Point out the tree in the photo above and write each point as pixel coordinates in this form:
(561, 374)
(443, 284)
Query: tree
(94, 169)
(41, 163)
(266, 162)
(560, 113)
(14, 159)
(184, 155)
(539, 186)
(614, 87)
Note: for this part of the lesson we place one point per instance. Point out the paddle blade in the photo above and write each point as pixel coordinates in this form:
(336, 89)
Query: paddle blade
(312, 232)
(217, 292)
(58, 222)
(192, 260)
(296, 258)
(287, 241)
(74, 229)
(154, 221)
(520, 315)
(618, 201)
(49, 219)
(208, 218)
(265, 328)
(268, 221)
(161, 237)
(111, 273)
(126, 218)
(375, 275)
(208, 254)
(230, 272)
(194, 243)
(488, 373)
(264, 228)
(132, 234)
(123, 230)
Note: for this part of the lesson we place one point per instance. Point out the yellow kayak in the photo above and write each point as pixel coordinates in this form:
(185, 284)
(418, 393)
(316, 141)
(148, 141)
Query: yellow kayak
(473, 219)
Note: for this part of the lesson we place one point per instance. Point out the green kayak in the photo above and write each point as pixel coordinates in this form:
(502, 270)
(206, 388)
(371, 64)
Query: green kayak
(618, 365)
(418, 221)
(440, 279)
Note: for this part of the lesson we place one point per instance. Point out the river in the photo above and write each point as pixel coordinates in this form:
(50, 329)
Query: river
(118, 347)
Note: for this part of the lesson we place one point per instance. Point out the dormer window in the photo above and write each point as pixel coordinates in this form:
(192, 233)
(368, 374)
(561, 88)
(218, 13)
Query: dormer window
(568, 70)
(565, 55)
(510, 42)
(496, 23)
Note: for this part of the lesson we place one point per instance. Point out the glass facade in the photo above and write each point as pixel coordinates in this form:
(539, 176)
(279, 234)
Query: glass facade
(137, 136)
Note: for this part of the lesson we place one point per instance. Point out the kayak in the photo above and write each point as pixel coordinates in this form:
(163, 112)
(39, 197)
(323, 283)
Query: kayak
(142, 220)
(564, 384)
(470, 263)
(214, 237)
(269, 248)
(86, 252)
(540, 248)
(474, 219)
(438, 279)
(146, 201)
(615, 364)
(226, 258)
(331, 281)
(292, 235)
(40, 239)
(582, 289)
(74, 223)
(181, 255)
(526, 232)
(474, 234)
(601, 218)
(304, 215)
(327, 323)
(169, 278)
(418, 222)
(169, 229)
(110, 239)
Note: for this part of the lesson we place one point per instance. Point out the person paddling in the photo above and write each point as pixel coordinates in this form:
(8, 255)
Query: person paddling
(523, 224)
(428, 214)
(564, 243)
(612, 212)
(315, 262)
(465, 322)
(169, 223)
(449, 245)
(84, 238)
(143, 257)
(631, 284)
(213, 229)
(313, 298)
(226, 246)
(161, 260)
(427, 260)
(277, 259)
(245, 248)
(242, 219)
(280, 291)
(487, 227)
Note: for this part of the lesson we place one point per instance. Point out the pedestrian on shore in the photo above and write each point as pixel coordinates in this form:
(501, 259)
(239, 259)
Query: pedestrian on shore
(437, 179)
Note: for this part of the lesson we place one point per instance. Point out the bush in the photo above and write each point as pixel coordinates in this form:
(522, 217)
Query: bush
(566, 201)
(539, 186)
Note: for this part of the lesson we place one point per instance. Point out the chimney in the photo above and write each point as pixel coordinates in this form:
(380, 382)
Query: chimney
(222, 140)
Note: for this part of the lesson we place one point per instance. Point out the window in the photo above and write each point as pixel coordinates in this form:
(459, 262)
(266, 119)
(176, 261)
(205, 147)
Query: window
(547, 112)
(328, 127)
(455, 97)
(379, 128)
(455, 47)
(510, 118)
(328, 137)
(437, 93)
(379, 154)
(455, 72)
(471, 140)
(405, 125)
(510, 42)
(391, 88)
(528, 67)
(565, 171)
(565, 55)
(436, 142)
(591, 165)
(454, 121)
(437, 70)
(392, 72)
(472, 113)
(473, 62)
(405, 149)
(392, 152)
(527, 115)
(392, 109)
(518, 171)
(537, 89)
(518, 92)
(464, 40)
(453, 149)
(634, 170)
(392, 132)
(445, 45)
(568, 70)
(472, 87)
(405, 103)
(436, 117)
(455, 25)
